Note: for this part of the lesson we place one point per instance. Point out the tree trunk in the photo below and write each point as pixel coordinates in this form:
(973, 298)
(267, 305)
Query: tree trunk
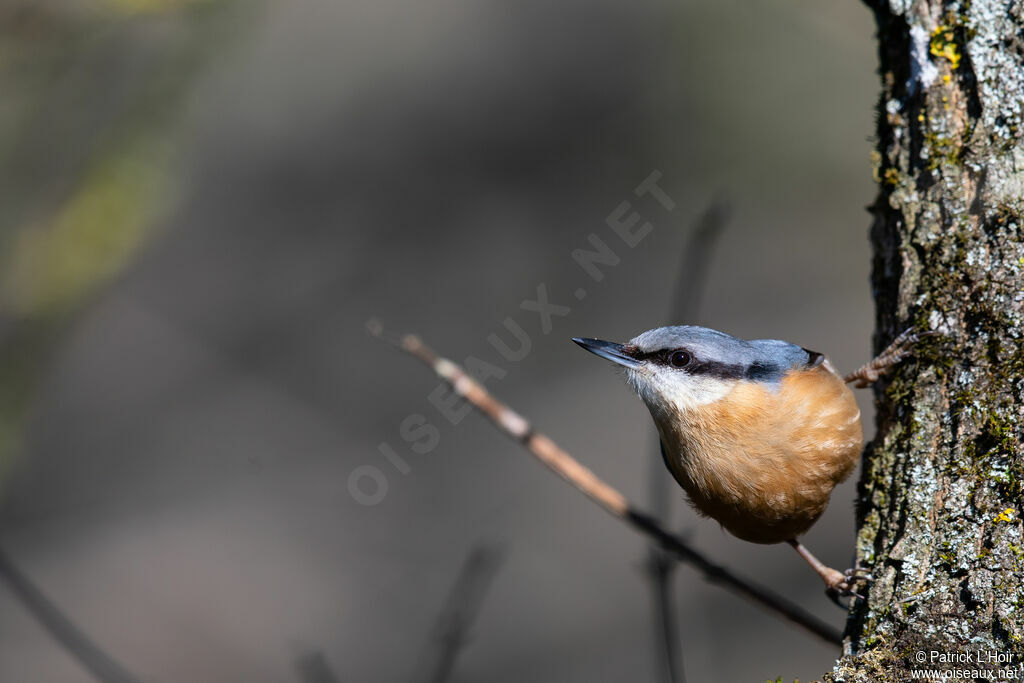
(940, 498)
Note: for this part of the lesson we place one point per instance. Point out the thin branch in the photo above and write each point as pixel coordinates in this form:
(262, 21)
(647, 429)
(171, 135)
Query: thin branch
(94, 660)
(667, 648)
(693, 272)
(461, 608)
(690, 282)
(587, 483)
(659, 567)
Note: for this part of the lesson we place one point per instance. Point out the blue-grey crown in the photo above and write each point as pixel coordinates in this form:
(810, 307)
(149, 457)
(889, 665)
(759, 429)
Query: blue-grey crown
(722, 355)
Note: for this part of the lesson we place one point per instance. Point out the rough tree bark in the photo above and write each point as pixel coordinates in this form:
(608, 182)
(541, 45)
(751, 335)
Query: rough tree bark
(940, 498)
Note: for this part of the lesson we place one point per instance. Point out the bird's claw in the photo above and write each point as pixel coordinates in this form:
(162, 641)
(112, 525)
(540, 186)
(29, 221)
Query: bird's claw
(859, 574)
(845, 584)
(882, 364)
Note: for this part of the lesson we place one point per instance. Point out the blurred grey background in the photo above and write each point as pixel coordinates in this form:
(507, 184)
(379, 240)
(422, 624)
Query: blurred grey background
(205, 201)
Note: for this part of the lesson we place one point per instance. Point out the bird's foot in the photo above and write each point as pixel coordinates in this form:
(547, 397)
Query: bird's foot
(882, 364)
(837, 584)
(846, 584)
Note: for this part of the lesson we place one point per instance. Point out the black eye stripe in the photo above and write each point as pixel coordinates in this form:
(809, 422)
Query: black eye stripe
(760, 371)
(658, 356)
(717, 370)
(708, 368)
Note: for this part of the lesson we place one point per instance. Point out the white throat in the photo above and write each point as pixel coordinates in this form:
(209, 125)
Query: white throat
(666, 391)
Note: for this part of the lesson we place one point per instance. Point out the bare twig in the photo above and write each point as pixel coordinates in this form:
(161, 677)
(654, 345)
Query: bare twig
(668, 647)
(689, 285)
(94, 660)
(693, 271)
(461, 608)
(585, 481)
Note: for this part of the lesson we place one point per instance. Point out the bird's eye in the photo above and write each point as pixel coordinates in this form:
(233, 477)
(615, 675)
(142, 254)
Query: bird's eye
(679, 359)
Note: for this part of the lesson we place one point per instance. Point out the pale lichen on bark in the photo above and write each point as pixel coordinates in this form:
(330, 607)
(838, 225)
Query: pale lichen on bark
(942, 490)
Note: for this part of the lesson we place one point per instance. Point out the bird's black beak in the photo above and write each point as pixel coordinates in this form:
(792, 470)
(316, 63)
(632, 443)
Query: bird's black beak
(616, 353)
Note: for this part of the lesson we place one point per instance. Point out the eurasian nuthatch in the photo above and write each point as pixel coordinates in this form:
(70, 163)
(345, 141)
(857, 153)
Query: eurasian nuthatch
(757, 433)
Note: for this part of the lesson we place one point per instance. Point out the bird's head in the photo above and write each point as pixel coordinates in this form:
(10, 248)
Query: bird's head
(680, 368)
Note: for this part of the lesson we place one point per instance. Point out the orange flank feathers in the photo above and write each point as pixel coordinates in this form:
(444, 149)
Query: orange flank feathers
(763, 460)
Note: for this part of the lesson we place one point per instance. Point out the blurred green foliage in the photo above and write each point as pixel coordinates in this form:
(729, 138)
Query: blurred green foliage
(89, 238)
(93, 95)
